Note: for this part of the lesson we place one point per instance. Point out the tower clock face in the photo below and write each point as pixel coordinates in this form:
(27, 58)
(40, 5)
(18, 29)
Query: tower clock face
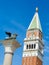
(31, 34)
(35, 33)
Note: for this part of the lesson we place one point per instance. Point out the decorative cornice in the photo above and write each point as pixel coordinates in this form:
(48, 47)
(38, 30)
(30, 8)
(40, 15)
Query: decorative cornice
(34, 40)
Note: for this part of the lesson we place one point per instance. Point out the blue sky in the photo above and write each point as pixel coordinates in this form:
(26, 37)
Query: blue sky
(15, 16)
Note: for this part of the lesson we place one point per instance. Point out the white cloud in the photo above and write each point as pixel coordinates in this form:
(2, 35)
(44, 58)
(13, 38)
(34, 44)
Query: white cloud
(46, 49)
(16, 24)
(46, 45)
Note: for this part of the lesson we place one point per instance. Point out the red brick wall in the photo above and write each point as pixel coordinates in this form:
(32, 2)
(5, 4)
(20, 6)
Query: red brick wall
(31, 61)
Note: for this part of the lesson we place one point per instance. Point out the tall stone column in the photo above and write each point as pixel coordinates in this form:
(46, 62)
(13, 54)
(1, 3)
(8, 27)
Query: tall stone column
(8, 56)
(8, 59)
(10, 46)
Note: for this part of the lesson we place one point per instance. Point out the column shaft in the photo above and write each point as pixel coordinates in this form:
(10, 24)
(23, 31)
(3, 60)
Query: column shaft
(8, 59)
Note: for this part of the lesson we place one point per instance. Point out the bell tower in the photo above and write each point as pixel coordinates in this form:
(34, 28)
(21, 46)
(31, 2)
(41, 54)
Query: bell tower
(33, 45)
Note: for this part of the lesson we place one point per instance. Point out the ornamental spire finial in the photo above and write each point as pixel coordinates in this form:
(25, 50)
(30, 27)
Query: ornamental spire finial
(36, 9)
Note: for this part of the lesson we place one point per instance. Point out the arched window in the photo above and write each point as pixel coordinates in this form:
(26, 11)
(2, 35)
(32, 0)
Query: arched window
(30, 46)
(27, 47)
(34, 45)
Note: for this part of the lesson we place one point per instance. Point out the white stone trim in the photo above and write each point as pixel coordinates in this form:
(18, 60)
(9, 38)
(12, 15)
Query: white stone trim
(9, 49)
(33, 53)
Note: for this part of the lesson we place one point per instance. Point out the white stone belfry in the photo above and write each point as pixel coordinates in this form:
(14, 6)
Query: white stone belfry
(10, 45)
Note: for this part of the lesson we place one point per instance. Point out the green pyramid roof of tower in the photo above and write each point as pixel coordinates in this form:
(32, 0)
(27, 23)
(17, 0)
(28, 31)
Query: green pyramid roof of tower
(35, 23)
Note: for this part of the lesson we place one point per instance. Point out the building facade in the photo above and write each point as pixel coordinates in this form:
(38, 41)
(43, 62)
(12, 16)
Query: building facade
(33, 45)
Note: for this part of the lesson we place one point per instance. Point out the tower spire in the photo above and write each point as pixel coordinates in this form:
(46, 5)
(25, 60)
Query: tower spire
(35, 22)
(36, 9)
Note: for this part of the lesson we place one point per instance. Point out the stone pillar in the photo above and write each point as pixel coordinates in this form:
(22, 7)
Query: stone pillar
(10, 46)
(8, 56)
(8, 59)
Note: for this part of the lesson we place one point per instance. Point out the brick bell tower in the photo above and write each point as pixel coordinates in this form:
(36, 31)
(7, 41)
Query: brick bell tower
(33, 45)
